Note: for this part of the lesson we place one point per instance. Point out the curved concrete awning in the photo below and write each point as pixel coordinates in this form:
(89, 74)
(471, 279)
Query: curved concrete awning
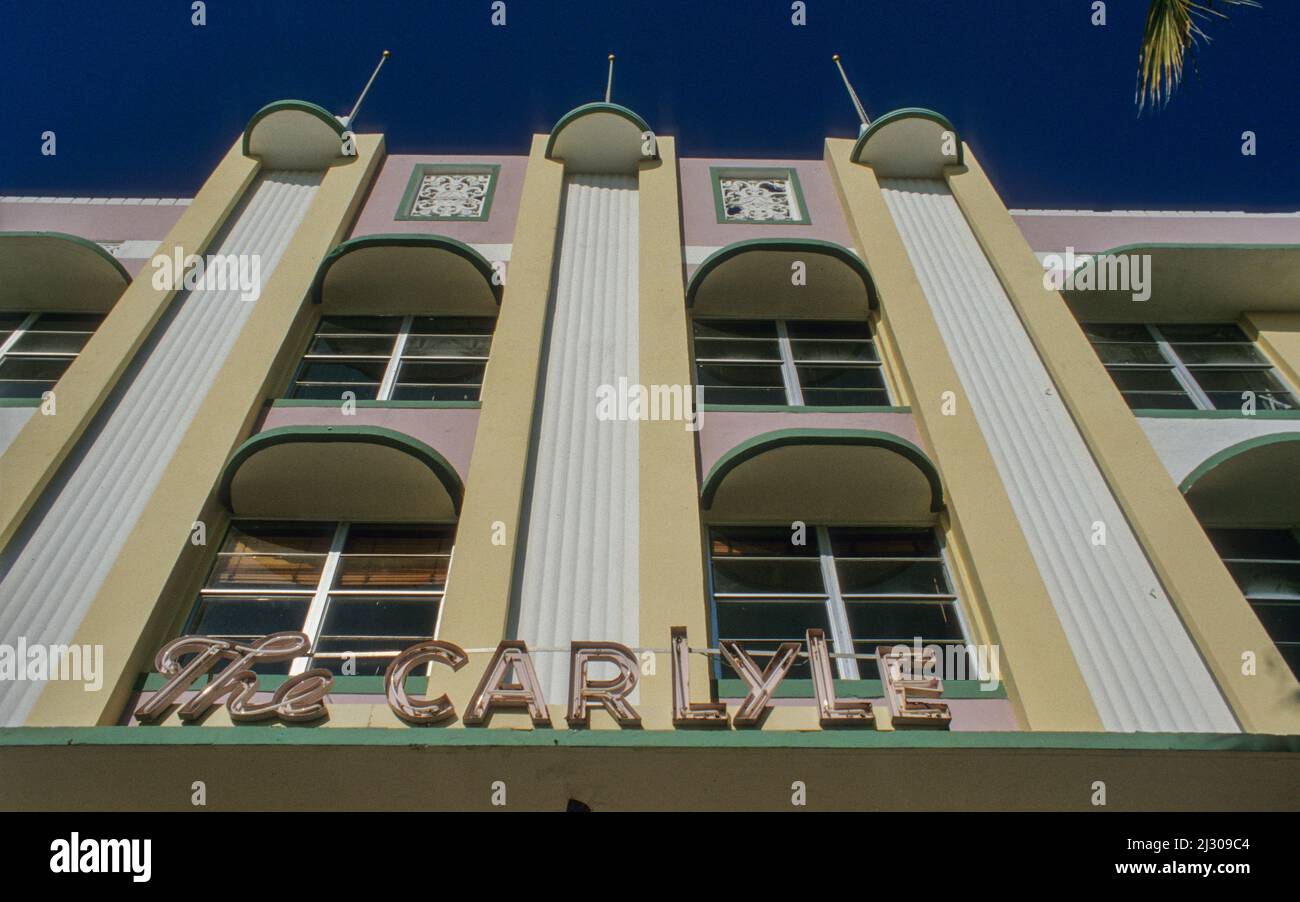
(847, 476)
(1251, 483)
(599, 138)
(754, 279)
(911, 143)
(294, 134)
(58, 272)
(340, 473)
(419, 274)
(1192, 283)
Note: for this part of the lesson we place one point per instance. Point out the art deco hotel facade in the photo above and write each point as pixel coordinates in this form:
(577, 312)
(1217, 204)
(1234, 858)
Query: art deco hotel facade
(838, 495)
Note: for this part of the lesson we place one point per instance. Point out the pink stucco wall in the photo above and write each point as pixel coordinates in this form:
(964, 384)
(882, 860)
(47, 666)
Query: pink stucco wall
(380, 209)
(449, 431)
(722, 430)
(98, 222)
(699, 214)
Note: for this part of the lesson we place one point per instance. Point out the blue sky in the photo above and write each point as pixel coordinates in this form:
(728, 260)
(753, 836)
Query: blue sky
(144, 103)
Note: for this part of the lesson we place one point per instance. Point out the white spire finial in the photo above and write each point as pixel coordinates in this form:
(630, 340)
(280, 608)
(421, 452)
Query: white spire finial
(347, 123)
(609, 82)
(857, 104)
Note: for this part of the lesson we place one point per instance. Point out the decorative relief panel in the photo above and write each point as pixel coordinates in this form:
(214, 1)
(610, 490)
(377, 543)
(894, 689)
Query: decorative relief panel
(758, 195)
(438, 191)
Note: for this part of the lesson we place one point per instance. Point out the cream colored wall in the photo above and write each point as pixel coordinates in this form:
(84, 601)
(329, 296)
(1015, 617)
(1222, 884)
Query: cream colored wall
(1203, 592)
(29, 463)
(1043, 680)
(672, 545)
(133, 607)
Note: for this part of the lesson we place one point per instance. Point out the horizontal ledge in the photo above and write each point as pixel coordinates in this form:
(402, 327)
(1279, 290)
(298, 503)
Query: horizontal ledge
(325, 402)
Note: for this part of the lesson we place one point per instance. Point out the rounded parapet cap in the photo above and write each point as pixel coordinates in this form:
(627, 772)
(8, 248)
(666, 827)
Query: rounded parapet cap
(58, 272)
(294, 134)
(599, 138)
(909, 143)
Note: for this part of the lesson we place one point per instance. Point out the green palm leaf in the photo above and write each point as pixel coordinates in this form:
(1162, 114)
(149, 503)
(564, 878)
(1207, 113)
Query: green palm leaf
(1171, 33)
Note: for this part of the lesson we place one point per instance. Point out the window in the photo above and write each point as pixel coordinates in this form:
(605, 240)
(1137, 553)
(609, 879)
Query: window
(758, 195)
(863, 586)
(396, 358)
(1266, 565)
(368, 589)
(37, 348)
(449, 191)
(1187, 367)
(794, 362)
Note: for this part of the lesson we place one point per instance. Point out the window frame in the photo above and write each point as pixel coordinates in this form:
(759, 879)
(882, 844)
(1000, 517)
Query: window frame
(786, 173)
(394, 359)
(1185, 374)
(319, 598)
(420, 170)
(840, 637)
(29, 319)
(788, 364)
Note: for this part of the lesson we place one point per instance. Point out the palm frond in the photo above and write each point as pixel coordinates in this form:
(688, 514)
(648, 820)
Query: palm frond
(1171, 34)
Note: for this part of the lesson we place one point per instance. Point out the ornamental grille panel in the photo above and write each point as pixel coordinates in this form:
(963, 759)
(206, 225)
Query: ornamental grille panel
(759, 200)
(451, 195)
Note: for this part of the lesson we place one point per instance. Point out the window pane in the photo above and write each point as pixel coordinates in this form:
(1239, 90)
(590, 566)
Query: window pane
(833, 351)
(737, 349)
(744, 575)
(435, 392)
(1129, 352)
(369, 345)
(1193, 354)
(382, 538)
(811, 328)
(872, 622)
(293, 538)
(369, 616)
(891, 578)
(840, 377)
(1100, 332)
(762, 626)
(1159, 401)
(760, 540)
(1146, 380)
(1237, 380)
(272, 557)
(453, 325)
(342, 325)
(447, 346)
(386, 572)
(1281, 619)
(345, 371)
(68, 322)
(1267, 580)
(11, 321)
(46, 369)
(424, 373)
(1202, 332)
(334, 392)
(734, 328)
(24, 389)
(1256, 543)
(845, 397)
(249, 616)
(847, 542)
(50, 342)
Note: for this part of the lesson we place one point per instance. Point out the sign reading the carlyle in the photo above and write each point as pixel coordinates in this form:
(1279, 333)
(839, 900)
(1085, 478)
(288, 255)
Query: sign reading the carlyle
(509, 682)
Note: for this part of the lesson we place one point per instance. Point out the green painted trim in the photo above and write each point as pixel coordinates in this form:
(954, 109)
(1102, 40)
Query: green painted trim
(492, 170)
(597, 107)
(808, 245)
(794, 688)
(786, 408)
(423, 405)
(376, 435)
(80, 242)
(911, 112)
(717, 173)
(781, 438)
(1219, 457)
(433, 242)
(266, 735)
(1155, 413)
(20, 402)
(304, 106)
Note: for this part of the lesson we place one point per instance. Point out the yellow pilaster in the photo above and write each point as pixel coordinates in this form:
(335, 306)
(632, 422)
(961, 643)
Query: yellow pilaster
(27, 466)
(672, 551)
(1043, 680)
(1211, 607)
(1278, 335)
(140, 596)
(476, 608)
